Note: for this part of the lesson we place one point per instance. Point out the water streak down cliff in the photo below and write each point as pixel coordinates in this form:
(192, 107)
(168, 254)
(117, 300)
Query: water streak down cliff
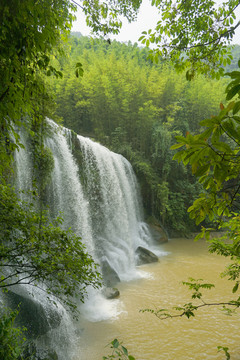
(96, 193)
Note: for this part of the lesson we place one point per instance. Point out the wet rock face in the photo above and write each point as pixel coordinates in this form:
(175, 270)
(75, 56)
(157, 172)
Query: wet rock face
(145, 256)
(31, 352)
(158, 234)
(110, 276)
(111, 293)
(32, 315)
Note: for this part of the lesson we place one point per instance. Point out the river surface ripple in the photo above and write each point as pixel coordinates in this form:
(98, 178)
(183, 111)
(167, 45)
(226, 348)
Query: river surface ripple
(148, 338)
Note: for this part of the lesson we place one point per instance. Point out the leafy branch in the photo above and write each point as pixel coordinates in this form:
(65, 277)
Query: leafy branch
(213, 155)
(193, 35)
(189, 309)
(118, 352)
(34, 251)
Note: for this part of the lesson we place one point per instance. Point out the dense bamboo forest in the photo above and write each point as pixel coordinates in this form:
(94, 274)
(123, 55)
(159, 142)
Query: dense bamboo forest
(136, 108)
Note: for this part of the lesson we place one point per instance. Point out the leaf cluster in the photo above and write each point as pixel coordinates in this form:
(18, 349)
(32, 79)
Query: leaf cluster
(105, 17)
(189, 309)
(214, 158)
(11, 338)
(30, 32)
(194, 35)
(36, 252)
(119, 352)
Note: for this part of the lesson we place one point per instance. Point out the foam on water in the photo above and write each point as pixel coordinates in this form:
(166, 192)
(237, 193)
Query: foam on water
(98, 308)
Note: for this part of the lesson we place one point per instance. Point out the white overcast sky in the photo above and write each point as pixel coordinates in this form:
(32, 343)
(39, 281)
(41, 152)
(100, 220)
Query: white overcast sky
(147, 18)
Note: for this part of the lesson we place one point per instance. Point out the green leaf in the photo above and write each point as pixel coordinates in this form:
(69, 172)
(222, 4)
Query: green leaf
(225, 350)
(230, 128)
(224, 147)
(125, 350)
(176, 146)
(236, 107)
(233, 91)
(234, 74)
(79, 70)
(202, 170)
(209, 122)
(115, 343)
(235, 288)
(180, 155)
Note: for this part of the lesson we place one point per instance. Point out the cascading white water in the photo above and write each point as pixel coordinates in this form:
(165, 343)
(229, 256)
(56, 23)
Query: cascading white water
(53, 328)
(65, 191)
(97, 198)
(97, 195)
(115, 206)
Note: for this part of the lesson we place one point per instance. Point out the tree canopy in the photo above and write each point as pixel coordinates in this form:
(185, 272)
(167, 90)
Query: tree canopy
(137, 108)
(214, 157)
(195, 35)
(33, 249)
(30, 33)
(105, 17)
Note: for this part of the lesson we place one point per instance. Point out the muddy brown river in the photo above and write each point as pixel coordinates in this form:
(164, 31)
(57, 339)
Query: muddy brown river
(143, 334)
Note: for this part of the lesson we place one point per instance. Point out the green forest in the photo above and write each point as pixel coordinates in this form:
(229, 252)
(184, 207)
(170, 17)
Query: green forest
(136, 108)
(172, 109)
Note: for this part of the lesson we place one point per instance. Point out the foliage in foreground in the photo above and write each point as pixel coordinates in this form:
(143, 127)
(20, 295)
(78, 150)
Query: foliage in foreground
(118, 352)
(28, 34)
(34, 251)
(11, 338)
(194, 34)
(214, 158)
(189, 309)
(213, 155)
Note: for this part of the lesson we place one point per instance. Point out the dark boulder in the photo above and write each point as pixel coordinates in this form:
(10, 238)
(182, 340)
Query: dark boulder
(159, 235)
(145, 256)
(110, 293)
(32, 315)
(110, 276)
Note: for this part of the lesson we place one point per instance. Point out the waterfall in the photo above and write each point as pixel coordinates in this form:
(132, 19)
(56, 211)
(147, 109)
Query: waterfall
(97, 195)
(65, 190)
(115, 206)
